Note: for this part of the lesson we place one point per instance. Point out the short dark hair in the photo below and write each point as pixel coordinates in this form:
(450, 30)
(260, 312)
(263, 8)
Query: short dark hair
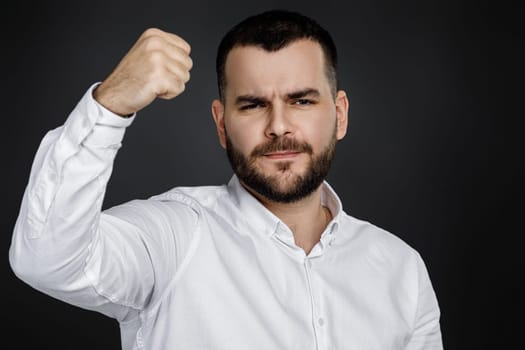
(272, 30)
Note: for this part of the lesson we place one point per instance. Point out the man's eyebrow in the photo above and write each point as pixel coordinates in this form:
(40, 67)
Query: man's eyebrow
(303, 93)
(249, 99)
(291, 96)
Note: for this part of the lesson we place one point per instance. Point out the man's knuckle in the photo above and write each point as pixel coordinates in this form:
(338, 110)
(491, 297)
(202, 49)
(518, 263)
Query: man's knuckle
(153, 43)
(189, 62)
(152, 32)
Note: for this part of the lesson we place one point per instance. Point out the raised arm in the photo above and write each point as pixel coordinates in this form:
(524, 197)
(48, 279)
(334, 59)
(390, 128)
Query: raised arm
(62, 244)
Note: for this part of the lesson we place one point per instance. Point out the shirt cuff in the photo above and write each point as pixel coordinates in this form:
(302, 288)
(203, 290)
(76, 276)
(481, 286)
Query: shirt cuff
(92, 124)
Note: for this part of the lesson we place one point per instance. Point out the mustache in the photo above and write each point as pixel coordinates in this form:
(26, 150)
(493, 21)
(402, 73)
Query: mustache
(281, 144)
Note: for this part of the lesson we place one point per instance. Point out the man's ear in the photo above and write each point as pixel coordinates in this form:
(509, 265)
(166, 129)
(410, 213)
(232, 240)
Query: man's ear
(341, 107)
(217, 109)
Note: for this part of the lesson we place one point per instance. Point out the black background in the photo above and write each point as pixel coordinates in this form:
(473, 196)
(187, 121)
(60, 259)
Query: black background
(419, 159)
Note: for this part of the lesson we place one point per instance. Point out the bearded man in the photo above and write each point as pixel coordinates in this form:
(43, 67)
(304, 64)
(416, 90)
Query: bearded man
(268, 261)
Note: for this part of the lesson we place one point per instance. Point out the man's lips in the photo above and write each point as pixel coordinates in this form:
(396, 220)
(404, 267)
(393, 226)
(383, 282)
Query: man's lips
(282, 154)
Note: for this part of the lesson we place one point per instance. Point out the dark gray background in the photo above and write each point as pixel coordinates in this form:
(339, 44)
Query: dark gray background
(417, 159)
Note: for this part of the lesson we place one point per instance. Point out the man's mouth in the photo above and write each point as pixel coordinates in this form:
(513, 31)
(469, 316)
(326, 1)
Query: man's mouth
(282, 154)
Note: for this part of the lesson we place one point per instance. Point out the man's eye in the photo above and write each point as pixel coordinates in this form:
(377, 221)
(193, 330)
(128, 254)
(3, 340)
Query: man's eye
(251, 106)
(303, 102)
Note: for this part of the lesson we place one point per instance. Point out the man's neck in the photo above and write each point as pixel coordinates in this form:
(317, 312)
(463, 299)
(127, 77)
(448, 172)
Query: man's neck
(306, 218)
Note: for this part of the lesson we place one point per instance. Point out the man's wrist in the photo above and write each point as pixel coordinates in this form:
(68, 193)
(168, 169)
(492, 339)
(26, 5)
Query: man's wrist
(103, 101)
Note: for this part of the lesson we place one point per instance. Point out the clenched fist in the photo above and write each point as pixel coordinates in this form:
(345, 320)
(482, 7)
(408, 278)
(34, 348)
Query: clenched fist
(157, 65)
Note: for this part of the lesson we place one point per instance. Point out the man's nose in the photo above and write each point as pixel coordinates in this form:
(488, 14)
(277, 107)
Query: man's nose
(278, 122)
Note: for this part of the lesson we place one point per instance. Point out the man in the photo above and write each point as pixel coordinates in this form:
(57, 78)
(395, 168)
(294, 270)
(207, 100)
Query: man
(269, 261)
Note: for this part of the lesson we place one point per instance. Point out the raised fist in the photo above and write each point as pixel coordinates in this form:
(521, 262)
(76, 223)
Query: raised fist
(157, 65)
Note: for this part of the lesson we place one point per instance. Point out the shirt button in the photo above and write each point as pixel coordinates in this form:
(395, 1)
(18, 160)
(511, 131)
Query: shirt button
(320, 321)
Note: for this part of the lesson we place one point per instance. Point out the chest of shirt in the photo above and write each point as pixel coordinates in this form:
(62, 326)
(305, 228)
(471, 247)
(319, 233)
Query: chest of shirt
(244, 290)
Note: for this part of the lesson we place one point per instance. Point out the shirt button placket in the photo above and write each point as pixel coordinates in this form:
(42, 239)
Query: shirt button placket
(318, 321)
(321, 333)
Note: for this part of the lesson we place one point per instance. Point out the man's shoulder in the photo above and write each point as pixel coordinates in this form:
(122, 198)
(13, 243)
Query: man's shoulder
(193, 196)
(375, 238)
(184, 205)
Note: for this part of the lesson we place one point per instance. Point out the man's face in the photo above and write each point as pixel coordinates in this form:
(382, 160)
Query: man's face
(280, 121)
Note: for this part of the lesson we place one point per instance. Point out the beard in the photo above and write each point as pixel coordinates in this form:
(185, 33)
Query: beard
(272, 186)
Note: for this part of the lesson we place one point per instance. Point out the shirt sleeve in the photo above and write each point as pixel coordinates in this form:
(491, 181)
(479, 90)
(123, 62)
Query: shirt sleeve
(63, 245)
(426, 333)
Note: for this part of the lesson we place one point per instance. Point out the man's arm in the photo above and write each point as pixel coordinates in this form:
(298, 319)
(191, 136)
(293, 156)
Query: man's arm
(426, 334)
(62, 244)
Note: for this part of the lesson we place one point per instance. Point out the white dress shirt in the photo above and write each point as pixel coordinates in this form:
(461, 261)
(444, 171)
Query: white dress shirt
(210, 267)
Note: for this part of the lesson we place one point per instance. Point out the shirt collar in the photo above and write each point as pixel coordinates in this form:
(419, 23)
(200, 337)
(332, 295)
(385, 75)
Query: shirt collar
(257, 216)
(330, 200)
(253, 213)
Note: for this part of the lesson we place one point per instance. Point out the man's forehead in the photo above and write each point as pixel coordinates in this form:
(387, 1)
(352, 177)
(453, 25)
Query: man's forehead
(312, 46)
(251, 70)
